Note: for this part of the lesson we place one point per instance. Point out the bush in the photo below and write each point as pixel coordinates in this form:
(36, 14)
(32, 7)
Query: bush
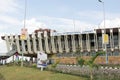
(55, 64)
(81, 61)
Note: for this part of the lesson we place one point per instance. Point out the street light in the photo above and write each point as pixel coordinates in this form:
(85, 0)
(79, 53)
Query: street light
(23, 34)
(105, 44)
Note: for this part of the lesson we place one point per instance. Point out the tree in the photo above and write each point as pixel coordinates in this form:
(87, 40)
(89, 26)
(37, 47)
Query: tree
(90, 62)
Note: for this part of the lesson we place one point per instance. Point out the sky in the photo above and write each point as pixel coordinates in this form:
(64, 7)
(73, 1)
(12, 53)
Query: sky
(60, 15)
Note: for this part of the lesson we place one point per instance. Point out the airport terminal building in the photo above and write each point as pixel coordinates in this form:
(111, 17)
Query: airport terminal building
(66, 47)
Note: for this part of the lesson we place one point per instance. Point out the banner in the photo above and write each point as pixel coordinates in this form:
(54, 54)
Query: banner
(41, 59)
(105, 38)
(23, 35)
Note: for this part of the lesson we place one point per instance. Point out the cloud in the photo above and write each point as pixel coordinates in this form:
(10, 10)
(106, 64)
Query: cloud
(110, 23)
(33, 24)
(66, 25)
(9, 24)
(9, 20)
(8, 6)
(96, 16)
(92, 14)
(6, 21)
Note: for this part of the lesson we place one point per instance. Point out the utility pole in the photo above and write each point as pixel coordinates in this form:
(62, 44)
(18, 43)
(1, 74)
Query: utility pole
(23, 34)
(104, 34)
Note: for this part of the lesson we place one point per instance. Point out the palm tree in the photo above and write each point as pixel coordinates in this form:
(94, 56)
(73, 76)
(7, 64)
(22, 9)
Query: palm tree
(90, 62)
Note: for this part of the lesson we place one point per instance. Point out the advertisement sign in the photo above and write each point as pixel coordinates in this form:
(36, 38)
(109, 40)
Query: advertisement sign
(41, 59)
(105, 38)
(23, 35)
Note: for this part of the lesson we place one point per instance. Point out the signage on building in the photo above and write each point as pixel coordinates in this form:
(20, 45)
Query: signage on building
(23, 35)
(71, 33)
(65, 33)
(88, 31)
(105, 38)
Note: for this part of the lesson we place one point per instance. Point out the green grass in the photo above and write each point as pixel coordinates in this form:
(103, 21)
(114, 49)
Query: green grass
(25, 73)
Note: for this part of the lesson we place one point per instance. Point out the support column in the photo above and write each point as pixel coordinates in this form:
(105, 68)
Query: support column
(34, 42)
(53, 44)
(73, 43)
(11, 41)
(7, 42)
(46, 42)
(66, 43)
(59, 44)
(95, 42)
(89, 48)
(17, 43)
(11, 44)
(119, 38)
(29, 44)
(87, 42)
(40, 42)
(23, 46)
(111, 40)
(80, 43)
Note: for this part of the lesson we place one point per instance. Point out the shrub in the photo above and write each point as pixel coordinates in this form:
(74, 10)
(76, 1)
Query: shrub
(55, 64)
(81, 61)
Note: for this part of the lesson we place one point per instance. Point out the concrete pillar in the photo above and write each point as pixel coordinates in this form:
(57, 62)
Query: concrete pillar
(80, 42)
(111, 40)
(59, 44)
(73, 43)
(53, 44)
(17, 43)
(66, 43)
(29, 44)
(34, 43)
(46, 42)
(40, 42)
(87, 42)
(7, 42)
(23, 47)
(119, 38)
(95, 42)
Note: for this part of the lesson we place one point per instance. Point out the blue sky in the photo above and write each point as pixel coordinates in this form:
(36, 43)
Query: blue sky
(57, 14)
(71, 9)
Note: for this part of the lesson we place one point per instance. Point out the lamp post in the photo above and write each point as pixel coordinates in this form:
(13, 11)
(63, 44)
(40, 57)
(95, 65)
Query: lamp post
(105, 44)
(23, 34)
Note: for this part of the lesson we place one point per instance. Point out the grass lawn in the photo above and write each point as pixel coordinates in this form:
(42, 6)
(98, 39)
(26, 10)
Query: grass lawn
(25, 73)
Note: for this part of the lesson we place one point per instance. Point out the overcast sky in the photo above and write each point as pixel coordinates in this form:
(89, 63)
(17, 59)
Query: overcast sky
(60, 15)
